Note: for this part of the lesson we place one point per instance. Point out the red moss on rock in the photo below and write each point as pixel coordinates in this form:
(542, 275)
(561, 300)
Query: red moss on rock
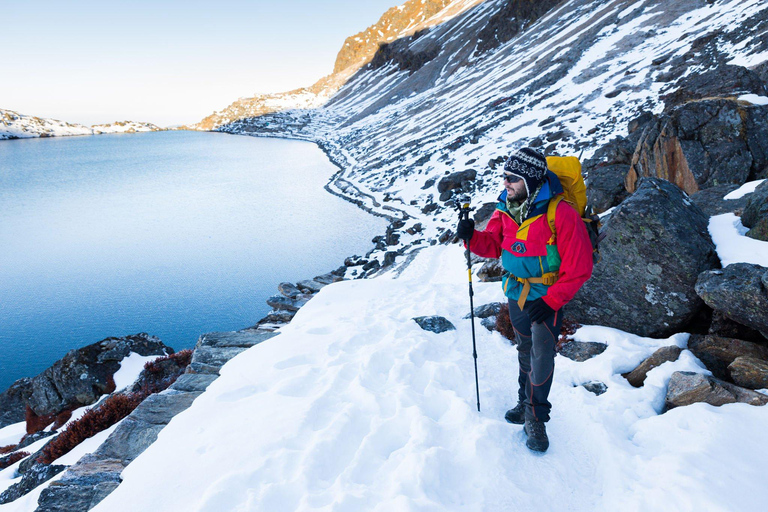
(8, 449)
(12, 459)
(37, 423)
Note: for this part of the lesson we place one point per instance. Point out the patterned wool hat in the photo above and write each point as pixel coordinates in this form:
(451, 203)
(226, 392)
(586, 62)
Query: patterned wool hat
(530, 165)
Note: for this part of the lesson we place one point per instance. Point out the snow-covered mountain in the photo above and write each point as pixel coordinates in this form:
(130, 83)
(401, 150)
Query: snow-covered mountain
(564, 76)
(357, 50)
(14, 125)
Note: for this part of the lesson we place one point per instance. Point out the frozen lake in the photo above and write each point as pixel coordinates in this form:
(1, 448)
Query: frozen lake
(170, 233)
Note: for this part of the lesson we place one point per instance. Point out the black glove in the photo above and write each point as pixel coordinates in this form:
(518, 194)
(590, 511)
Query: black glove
(465, 229)
(539, 311)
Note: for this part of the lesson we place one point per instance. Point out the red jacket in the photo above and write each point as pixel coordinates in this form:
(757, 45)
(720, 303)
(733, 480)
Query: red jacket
(526, 251)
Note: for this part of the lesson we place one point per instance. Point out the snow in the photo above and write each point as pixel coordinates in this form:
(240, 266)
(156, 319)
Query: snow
(733, 246)
(354, 407)
(88, 446)
(130, 368)
(743, 190)
(754, 99)
(13, 433)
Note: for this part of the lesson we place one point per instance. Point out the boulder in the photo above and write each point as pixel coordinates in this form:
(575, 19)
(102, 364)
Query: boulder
(37, 474)
(596, 387)
(711, 200)
(483, 215)
(310, 285)
(487, 310)
(755, 213)
(83, 375)
(721, 325)
(637, 376)
(717, 352)
(701, 144)
(13, 402)
(687, 388)
(435, 323)
(605, 173)
(492, 270)
(580, 351)
(281, 302)
(656, 244)
(749, 372)
(289, 290)
(739, 291)
(462, 180)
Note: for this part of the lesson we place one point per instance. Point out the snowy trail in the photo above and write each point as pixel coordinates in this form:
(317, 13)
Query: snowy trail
(353, 407)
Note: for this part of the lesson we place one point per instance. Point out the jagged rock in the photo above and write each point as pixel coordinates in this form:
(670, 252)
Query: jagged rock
(492, 270)
(580, 351)
(749, 372)
(489, 322)
(310, 285)
(509, 21)
(637, 376)
(739, 292)
(487, 310)
(278, 316)
(711, 201)
(656, 244)
(721, 325)
(82, 487)
(724, 81)
(13, 402)
(389, 258)
(289, 290)
(434, 323)
(355, 261)
(372, 265)
(214, 349)
(462, 180)
(328, 278)
(605, 173)
(483, 215)
(687, 388)
(596, 387)
(755, 214)
(281, 302)
(717, 353)
(83, 375)
(702, 144)
(36, 475)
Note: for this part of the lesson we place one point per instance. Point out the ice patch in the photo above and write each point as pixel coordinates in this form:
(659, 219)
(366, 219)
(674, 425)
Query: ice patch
(743, 190)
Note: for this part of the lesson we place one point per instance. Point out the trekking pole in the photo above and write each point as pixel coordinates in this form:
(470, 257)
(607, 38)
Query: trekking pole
(464, 210)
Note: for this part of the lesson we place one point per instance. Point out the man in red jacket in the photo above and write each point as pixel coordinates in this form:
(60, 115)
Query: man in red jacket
(544, 270)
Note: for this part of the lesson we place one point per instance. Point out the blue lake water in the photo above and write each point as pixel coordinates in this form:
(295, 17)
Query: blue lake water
(170, 233)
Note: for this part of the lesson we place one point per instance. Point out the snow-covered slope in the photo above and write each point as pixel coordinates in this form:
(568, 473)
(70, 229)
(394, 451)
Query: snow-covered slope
(354, 407)
(492, 79)
(19, 126)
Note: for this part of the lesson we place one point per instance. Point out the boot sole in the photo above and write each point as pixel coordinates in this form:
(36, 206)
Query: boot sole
(520, 422)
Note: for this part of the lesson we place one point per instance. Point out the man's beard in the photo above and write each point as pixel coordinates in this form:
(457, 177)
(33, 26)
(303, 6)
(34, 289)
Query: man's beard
(518, 197)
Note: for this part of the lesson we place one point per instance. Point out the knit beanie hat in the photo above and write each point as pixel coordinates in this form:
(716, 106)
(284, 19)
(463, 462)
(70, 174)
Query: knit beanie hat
(530, 165)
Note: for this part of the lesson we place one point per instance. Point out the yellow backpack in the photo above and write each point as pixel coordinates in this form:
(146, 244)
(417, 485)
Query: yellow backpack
(568, 170)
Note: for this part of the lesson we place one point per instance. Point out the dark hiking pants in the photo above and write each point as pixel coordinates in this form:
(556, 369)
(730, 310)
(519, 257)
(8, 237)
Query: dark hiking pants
(536, 354)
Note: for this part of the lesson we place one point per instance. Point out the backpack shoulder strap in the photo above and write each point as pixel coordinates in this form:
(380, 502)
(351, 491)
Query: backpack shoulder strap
(551, 212)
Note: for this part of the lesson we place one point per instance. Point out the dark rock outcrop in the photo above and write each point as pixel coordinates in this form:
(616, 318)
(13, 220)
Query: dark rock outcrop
(580, 351)
(605, 173)
(749, 372)
(510, 20)
(281, 302)
(487, 310)
(434, 323)
(462, 180)
(491, 271)
(83, 375)
(722, 82)
(702, 144)
(687, 388)
(13, 402)
(36, 475)
(637, 376)
(721, 325)
(755, 214)
(656, 244)
(739, 291)
(717, 353)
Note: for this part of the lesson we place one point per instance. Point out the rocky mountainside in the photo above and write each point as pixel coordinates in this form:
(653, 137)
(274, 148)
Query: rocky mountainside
(640, 89)
(358, 50)
(14, 125)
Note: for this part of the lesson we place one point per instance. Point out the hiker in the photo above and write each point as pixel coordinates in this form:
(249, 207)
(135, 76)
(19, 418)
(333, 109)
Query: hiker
(544, 270)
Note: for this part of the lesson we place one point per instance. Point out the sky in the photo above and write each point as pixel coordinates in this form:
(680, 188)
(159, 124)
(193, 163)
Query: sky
(168, 62)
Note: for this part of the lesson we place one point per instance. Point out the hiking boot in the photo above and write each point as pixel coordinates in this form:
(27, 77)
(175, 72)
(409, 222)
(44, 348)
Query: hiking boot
(516, 415)
(537, 436)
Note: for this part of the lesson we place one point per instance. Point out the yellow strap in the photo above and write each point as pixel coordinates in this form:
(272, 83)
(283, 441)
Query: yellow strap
(548, 279)
(551, 214)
